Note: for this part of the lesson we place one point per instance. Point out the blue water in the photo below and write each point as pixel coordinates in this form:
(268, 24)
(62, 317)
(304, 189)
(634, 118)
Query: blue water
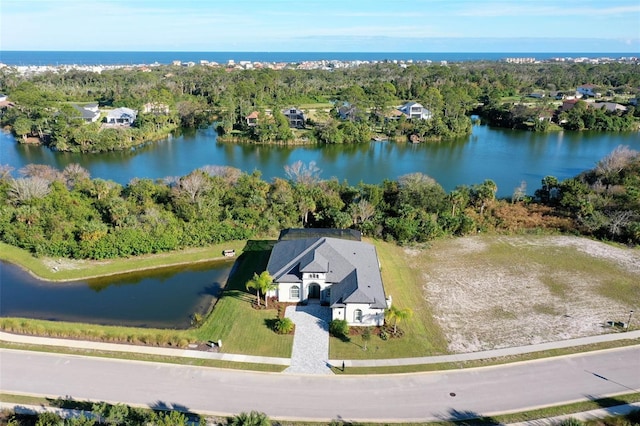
(506, 156)
(159, 298)
(129, 58)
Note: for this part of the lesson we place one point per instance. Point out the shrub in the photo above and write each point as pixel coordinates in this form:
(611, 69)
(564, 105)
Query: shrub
(339, 328)
(383, 335)
(283, 326)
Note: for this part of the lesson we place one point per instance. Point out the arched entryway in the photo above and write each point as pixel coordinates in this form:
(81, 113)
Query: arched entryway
(314, 291)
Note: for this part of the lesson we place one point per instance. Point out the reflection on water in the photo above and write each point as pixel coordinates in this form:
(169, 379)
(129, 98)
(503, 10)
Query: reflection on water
(506, 156)
(160, 298)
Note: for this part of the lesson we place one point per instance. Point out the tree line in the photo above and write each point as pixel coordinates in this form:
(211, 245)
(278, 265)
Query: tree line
(198, 95)
(67, 214)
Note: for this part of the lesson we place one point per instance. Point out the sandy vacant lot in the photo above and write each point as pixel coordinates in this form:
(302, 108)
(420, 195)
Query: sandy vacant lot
(493, 292)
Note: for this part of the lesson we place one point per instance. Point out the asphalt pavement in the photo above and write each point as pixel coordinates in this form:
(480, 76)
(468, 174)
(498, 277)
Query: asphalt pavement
(412, 397)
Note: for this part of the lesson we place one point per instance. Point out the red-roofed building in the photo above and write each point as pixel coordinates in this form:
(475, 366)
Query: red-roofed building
(252, 119)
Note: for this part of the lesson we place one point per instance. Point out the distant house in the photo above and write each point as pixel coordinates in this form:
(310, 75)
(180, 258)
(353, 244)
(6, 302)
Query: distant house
(348, 112)
(587, 90)
(252, 119)
(393, 114)
(3, 97)
(122, 116)
(89, 113)
(609, 106)
(568, 104)
(341, 273)
(414, 110)
(295, 117)
(155, 108)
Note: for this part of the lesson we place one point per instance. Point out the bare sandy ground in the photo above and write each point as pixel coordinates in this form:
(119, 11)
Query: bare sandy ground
(491, 305)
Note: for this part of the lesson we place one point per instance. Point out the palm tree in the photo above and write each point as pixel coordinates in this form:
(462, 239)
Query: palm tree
(255, 284)
(262, 283)
(253, 418)
(397, 315)
(270, 285)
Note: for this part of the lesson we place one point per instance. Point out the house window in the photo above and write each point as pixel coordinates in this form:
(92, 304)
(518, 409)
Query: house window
(294, 292)
(357, 315)
(314, 276)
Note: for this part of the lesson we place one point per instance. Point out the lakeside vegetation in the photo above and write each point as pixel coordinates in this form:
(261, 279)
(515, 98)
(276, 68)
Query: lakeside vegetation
(42, 108)
(66, 214)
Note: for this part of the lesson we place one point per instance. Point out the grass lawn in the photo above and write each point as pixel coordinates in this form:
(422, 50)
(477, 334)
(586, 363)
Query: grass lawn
(422, 335)
(242, 328)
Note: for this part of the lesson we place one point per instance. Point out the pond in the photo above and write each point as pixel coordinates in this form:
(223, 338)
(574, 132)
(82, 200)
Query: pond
(506, 156)
(159, 298)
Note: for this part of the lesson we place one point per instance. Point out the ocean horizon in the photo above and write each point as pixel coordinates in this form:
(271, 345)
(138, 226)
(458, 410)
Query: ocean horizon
(56, 58)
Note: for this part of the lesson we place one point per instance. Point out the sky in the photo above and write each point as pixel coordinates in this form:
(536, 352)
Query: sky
(322, 25)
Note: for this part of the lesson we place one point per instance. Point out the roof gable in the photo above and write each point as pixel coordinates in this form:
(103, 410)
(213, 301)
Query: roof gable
(351, 266)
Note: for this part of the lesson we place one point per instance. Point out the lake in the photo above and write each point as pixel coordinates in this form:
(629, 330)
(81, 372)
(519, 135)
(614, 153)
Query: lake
(160, 298)
(506, 156)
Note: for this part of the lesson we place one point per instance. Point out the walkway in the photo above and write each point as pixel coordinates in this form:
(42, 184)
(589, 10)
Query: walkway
(186, 353)
(311, 339)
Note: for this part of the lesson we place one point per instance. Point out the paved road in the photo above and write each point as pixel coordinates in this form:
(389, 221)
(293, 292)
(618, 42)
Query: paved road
(411, 397)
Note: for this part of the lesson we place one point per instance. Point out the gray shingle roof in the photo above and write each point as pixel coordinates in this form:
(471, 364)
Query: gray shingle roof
(351, 266)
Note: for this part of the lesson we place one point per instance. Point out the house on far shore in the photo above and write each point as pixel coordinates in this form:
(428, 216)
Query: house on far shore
(122, 116)
(348, 112)
(588, 90)
(89, 113)
(332, 267)
(414, 110)
(252, 119)
(609, 106)
(155, 108)
(295, 117)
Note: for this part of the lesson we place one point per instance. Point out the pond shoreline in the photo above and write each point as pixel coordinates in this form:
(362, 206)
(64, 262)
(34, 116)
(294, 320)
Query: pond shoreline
(45, 268)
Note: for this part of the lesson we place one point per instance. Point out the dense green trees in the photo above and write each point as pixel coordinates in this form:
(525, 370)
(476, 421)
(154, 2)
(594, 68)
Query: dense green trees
(67, 214)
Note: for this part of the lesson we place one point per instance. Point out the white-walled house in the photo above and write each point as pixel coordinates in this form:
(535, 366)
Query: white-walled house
(124, 116)
(414, 110)
(343, 274)
(89, 113)
(587, 90)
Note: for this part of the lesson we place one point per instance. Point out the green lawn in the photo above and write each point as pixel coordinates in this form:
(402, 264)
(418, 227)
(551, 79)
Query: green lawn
(242, 328)
(422, 335)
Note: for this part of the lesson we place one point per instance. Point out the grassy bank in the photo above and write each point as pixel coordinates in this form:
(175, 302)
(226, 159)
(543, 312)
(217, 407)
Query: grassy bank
(71, 269)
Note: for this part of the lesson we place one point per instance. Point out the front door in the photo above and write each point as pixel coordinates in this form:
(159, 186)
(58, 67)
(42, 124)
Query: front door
(314, 291)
